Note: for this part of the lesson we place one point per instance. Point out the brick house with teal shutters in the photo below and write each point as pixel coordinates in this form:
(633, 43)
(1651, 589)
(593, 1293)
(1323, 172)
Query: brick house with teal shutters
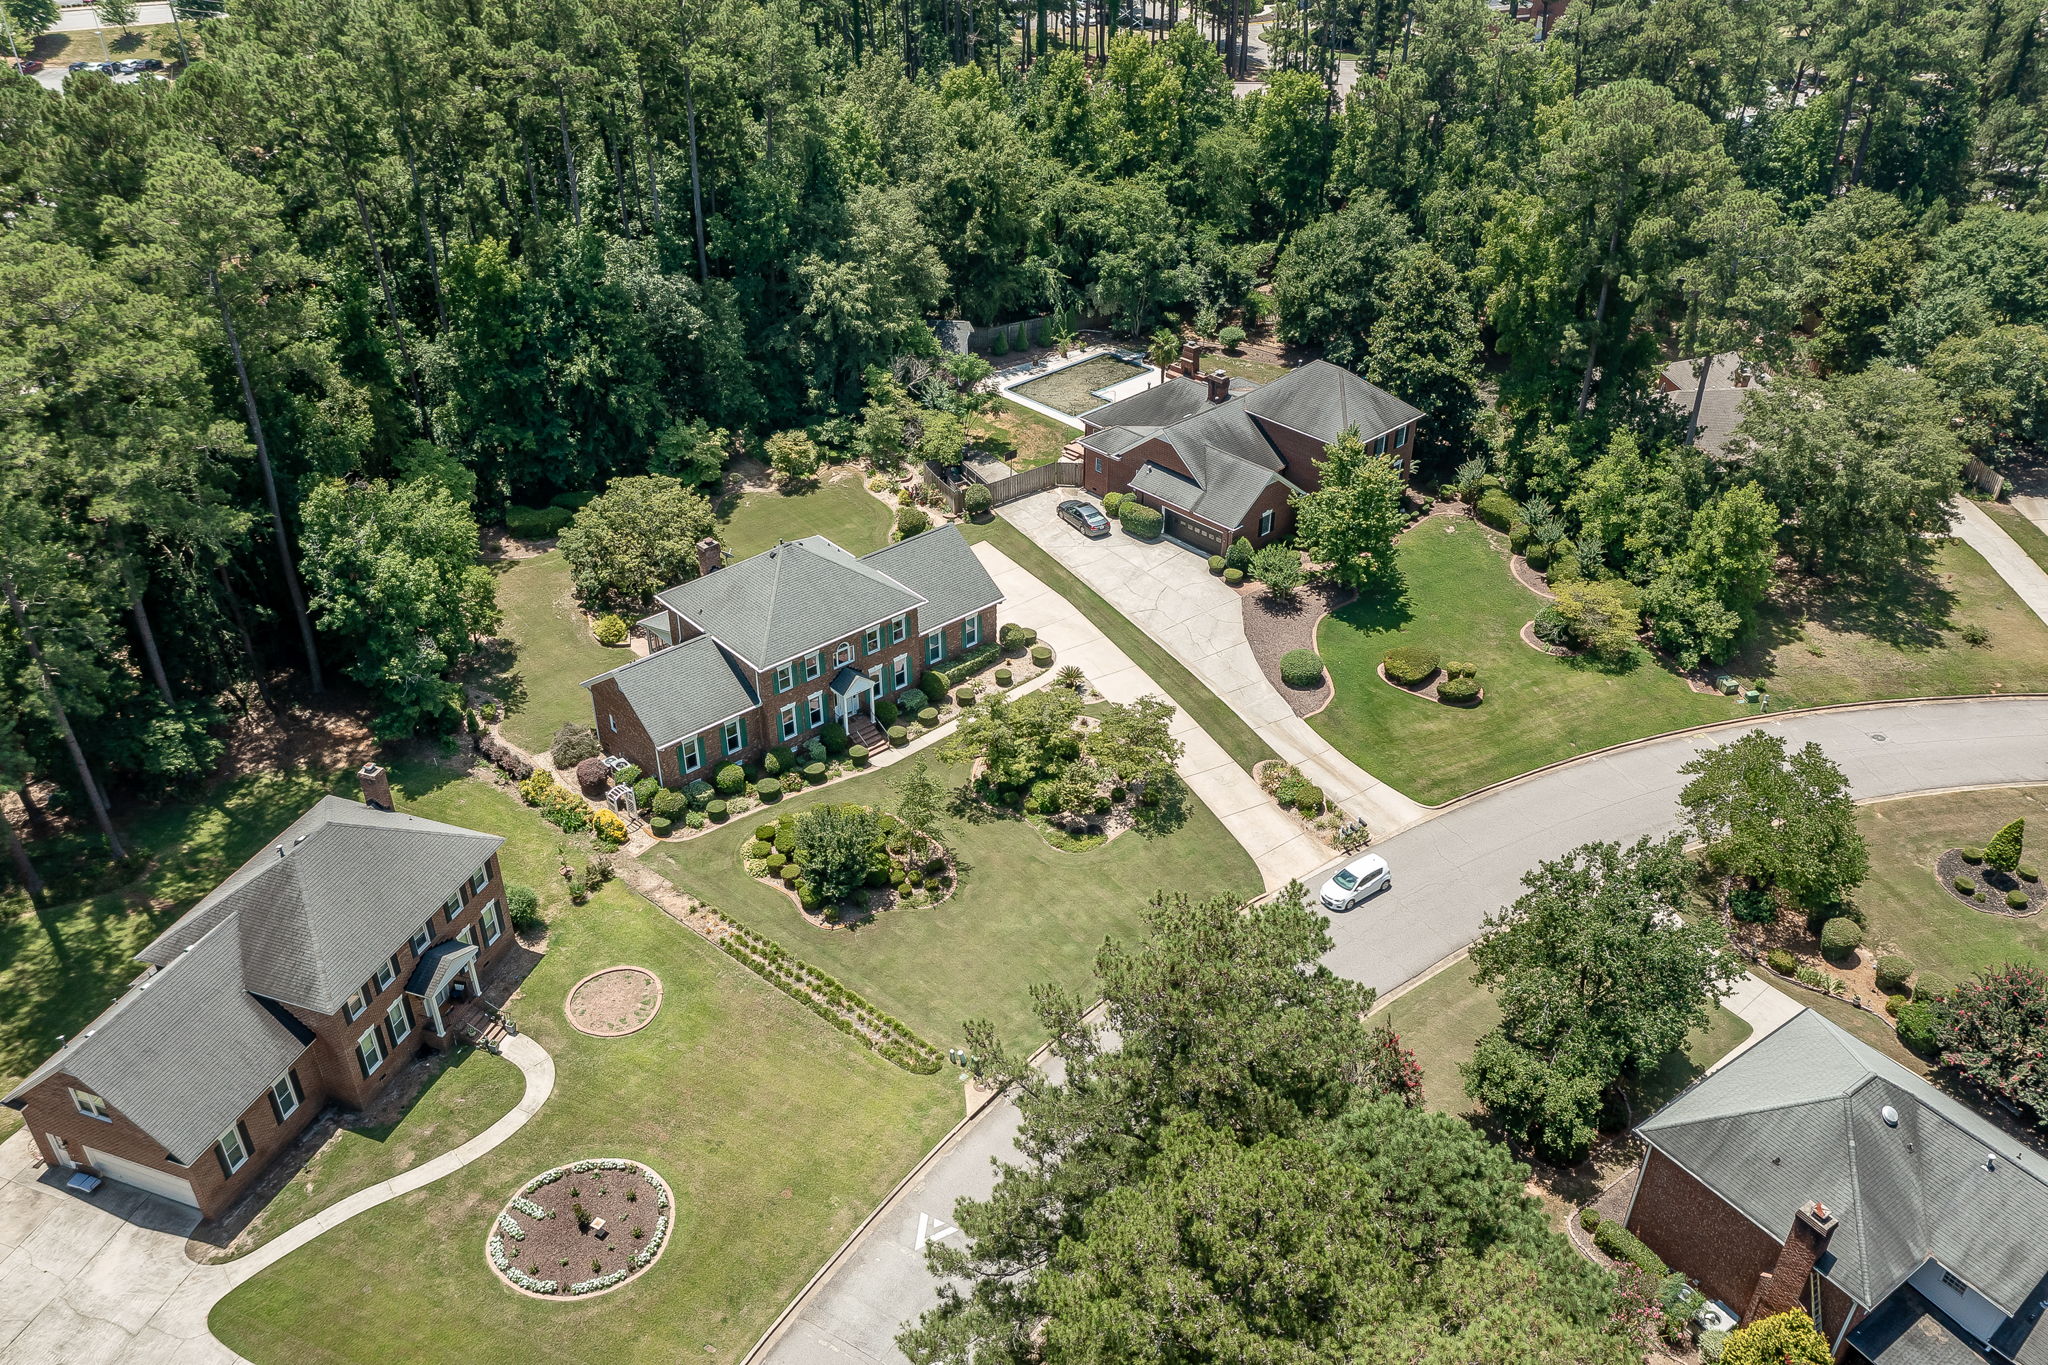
(772, 649)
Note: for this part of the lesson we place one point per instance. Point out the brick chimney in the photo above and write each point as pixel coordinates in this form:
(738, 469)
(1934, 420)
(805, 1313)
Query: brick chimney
(1783, 1286)
(376, 785)
(710, 555)
(1219, 386)
(1190, 362)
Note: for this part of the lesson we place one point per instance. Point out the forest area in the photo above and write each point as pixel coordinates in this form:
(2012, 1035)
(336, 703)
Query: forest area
(277, 337)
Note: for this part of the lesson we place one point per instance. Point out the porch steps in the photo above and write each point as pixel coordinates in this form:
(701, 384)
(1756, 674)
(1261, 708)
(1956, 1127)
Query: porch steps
(487, 1035)
(865, 732)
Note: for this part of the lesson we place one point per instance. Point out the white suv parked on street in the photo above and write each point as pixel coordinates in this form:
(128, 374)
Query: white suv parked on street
(1356, 881)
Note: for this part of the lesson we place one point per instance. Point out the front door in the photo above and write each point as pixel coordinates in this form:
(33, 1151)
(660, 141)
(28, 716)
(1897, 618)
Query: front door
(851, 707)
(61, 1152)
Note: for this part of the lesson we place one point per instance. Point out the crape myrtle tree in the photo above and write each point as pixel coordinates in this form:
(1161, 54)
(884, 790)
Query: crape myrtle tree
(1246, 1174)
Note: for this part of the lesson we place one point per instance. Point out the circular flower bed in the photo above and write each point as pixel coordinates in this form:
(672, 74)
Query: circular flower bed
(581, 1229)
(614, 1001)
(881, 862)
(1982, 887)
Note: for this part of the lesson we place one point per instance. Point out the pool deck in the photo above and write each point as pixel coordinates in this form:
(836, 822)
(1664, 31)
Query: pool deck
(1009, 381)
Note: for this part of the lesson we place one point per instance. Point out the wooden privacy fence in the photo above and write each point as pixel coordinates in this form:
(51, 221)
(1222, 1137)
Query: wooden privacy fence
(1025, 482)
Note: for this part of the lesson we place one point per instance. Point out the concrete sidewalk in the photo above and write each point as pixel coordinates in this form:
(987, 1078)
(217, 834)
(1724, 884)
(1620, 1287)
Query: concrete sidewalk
(1975, 528)
(1168, 592)
(1279, 845)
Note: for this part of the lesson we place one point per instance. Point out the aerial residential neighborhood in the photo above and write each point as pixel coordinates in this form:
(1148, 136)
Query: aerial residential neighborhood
(797, 682)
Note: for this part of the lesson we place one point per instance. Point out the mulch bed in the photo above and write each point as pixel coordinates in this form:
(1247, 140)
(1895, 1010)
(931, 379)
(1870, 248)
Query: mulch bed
(614, 1002)
(566, 1251)
(1529, 578)
(1991, 886)
(1529, 639)
(1275, 626)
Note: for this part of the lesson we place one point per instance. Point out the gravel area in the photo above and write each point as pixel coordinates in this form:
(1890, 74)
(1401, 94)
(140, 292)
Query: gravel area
(615, 1001)
(593, 1225)
(1273, 627)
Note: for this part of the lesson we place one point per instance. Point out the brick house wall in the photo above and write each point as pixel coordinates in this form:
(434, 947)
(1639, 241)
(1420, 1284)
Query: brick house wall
(327, 1072)
(620, 732)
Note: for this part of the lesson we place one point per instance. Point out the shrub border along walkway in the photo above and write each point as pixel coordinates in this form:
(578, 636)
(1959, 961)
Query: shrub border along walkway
(570, 999)
(664, 1226)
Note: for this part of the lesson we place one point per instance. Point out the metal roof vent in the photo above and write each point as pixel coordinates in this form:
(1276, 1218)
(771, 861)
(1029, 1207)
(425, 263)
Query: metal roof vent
(1991, 1161)
(1890, 1116)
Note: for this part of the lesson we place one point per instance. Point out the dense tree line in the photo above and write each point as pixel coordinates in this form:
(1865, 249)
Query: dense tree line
(275, 335)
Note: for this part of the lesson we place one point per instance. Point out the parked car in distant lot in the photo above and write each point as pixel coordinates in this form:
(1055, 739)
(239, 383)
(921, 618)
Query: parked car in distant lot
(83, 66)
(1084, 517)
(28, 66)
(1359, 879)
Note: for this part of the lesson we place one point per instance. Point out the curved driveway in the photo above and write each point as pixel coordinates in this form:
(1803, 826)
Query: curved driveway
(1450, 872)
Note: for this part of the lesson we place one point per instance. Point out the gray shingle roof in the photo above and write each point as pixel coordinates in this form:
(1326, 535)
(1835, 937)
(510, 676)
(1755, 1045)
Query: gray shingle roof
(1799, 1116)
(939, 566)
(1322, 400)
(683, 690)
(317, 920)
(1178, 399)
(1721, 404)
(788, 600)
(1906, 1329)
(1116, 440)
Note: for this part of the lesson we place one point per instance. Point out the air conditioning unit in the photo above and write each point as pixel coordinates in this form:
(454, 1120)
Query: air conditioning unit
(1715, 1317)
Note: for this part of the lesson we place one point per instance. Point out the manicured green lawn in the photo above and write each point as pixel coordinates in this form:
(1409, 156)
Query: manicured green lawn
(777, 1133)
(1025, 438)
(1814, 653)
(1911, 913)
(555, 650)
(1238, 739)
(840, 510)
(1461, 601)
(1443, 1019)
(1025, 915)
(62, 966)
(469, 1092)
(2025, 533)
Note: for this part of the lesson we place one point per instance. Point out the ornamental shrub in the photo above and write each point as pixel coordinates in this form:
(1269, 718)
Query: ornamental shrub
(1932, 986)
(897, 735)
(910, 521)
(1892, 973)
(1410, 665)
(776, 861)
(1623, 1245)
(644, 791)
(1551, 628)
(1216, 564)
(1239, 555)
(1144, 522)
(1840, 937)
(611, 630)
(668, 803)
(2016, 899)
(731, 778)
(1788, 1338)
(1964, 885)
(1232, 577)
(1301, 668)
(833, 737)
(1589, 1218)
(715, 810)
(1112, 503)
(537, 523)
(593, 777)
(2029, 874)
(856, 754)
(1232, 337)
(964, 697)
(1458, 668)
(928, 716)
(1458, 691)
(1782, 962)
(524, 904)
(1893, 1004)
(1972, 855)
(697, 792)
(1752, 905)
(1993, 1030)
(815, 772)
(1497, 509)
(1519, 536)
(977, 500)
(572, 744)
(1916, 1026)
(2003, 852)
(757, 848)
(769, 789)
(1004, 677)
(910, 701)
(1011, 636)
(1041, 655)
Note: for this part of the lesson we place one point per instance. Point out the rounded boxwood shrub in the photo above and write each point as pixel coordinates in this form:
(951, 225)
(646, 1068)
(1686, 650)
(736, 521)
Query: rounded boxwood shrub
(886, 711)
(2016, 899)
(1496, 509)
(1916, 1025)
(928, 716)
(1410, 665)
(1840, 936)
(977, 500)
(964, 696)
(1232, 577)
(1932, 986)
(716, 809)
(1893, 972)
(1973, 856)
(1893, 1004)
(2029, 874)
(1041, 655)
(611, 630)
(1141, 521)
(730, 779)
(1457, 668)
(1215, 563)
(776, 860)
(1781, 962)
(897, 735)
(1004, 677)
(660, 825)
(1112, 504)
(1458, 691)
(1012, 636)
(1589, 1218)
(815, 772)
(1964, 885)
(1519, 535)
(757, 848)
(768, 789)
(767, 830)
(1301, 668)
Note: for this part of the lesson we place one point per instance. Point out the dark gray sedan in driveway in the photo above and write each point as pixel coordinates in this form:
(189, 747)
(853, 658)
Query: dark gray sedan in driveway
(1084, 517)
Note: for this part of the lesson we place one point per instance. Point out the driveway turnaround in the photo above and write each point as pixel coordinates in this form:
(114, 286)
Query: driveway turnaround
(1167, 592)
(1449, 873)
(103, 1279)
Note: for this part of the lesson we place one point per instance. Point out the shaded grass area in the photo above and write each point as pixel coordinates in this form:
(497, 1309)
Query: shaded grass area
(140, 40)
(1459, 599)
(777, 1134)
(1816, 647)
(1013, 432)
(469, 1092)
(554, 651)
(1025, 914)
(1072, 389)
(840, 510)
(1911, 913)
(2024, 532)
(61, 966)
(1224, 725)
(1443, 1019)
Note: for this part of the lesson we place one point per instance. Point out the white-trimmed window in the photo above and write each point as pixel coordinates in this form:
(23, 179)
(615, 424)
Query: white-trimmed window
(788, 721)
(423, 938)
(399, 1018)
(90, 1105)
(1400, 437)
(1379, 445)
(901, 678)
(736, 734)
(352, 1008)
(493, 922)
(785, 677)
(813, 666)
(898, 629)
(843, 654)
(871, 642)
(693, 753)
(234, 1152)
(817, 709)
(1266, 523)
(479, 879)
(970, 632)
(370, 1049)
(285, 1096)
(454, 905)
(935, 646)
(468, 936)
(387, 972)
(875, 677)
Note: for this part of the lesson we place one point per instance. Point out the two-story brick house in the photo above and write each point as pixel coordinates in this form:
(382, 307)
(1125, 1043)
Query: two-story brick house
(770, 650)
(310, 976)
(1221, 457)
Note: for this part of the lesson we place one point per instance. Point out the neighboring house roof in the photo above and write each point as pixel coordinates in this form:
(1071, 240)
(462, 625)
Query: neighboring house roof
(941, 567)
(683, 690)
(1800, 1116)
(1230, 456)
(192, 1044)
(1730, 379)
(788, 600)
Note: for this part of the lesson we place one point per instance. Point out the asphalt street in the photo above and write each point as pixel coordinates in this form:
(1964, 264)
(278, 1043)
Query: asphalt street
(1450, 872)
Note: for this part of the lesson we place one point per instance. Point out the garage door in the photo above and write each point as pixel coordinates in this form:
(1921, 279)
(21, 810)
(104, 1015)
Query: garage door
(142, 1177)
(1206, 538)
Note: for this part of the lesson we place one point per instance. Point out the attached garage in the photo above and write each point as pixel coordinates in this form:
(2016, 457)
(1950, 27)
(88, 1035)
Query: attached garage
(1185, 528)
(146, 1178)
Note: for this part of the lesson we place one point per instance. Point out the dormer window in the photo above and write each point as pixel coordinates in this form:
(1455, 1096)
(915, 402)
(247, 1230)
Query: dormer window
(90, 1105)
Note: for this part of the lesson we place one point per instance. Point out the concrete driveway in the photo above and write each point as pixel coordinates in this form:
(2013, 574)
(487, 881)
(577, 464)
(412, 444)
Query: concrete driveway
(1167, 591)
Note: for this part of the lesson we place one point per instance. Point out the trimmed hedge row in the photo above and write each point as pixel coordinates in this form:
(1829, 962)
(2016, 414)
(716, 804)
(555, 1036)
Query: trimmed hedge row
(1617, 1241)
(1144, 522)
(943, 678)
